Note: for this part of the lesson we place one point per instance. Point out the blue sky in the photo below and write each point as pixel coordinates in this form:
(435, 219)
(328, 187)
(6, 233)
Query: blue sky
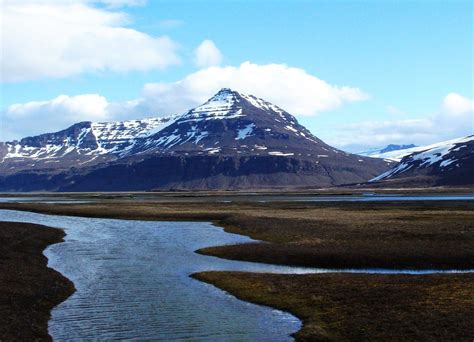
(411, 63)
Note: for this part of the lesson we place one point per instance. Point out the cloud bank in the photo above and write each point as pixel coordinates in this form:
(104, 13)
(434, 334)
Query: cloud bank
(55, 39)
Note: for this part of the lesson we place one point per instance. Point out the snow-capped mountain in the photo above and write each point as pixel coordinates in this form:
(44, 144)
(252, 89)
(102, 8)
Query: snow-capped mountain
(229, 122)
(234, 123)
(233, 140)
(84, 143)
(392, 152)
(447, 162)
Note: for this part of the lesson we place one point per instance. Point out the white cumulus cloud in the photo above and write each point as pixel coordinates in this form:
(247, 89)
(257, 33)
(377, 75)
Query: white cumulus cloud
(53, 39)
(293, 89)
(207, 54)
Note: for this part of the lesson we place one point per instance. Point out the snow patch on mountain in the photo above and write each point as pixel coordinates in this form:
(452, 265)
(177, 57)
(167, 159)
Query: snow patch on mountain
(245, 132)
(281, 154)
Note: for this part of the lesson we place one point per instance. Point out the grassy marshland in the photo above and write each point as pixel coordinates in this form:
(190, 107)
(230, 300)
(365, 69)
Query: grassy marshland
(352, 235)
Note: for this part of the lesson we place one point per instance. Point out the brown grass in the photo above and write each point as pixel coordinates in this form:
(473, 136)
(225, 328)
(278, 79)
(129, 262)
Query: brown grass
(361, 307)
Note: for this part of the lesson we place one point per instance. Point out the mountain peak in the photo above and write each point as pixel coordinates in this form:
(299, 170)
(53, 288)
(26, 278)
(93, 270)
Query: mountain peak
(231, 104)
(225, 95)
(226, 91)
(221, 105)
(229, 98)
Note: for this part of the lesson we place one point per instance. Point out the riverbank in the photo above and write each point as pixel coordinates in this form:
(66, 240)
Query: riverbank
(28, 288)
(362, 307)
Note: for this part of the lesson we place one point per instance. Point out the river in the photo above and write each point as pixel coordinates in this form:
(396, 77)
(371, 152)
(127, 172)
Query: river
(132, 281)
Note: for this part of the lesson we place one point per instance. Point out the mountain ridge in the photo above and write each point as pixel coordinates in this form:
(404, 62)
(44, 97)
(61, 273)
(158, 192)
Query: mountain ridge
(448, 162)
(237, 137)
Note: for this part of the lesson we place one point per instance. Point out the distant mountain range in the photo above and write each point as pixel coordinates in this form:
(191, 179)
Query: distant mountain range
(232, 141)
(446, 163)
(392, 152)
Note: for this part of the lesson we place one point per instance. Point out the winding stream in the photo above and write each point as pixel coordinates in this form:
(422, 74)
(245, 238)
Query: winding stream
(132, 281)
